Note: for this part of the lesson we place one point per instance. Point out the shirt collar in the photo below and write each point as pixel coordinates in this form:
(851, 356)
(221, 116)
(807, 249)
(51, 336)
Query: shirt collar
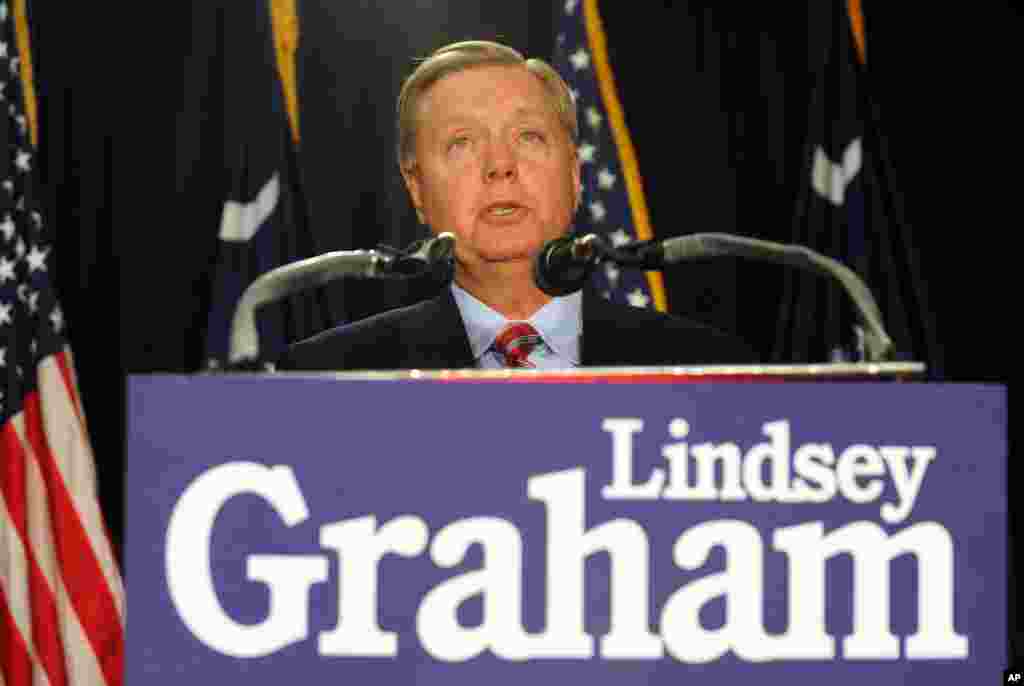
(559, 322)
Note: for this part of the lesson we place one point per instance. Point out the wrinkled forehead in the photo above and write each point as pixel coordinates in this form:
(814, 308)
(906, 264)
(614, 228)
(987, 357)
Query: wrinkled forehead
(485, 90)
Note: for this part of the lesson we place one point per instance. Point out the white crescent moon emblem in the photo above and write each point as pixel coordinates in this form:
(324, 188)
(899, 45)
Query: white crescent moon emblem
(240, 221)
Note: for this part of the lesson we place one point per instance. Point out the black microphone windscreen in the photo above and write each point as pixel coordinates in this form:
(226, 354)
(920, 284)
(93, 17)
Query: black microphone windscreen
(556, 271)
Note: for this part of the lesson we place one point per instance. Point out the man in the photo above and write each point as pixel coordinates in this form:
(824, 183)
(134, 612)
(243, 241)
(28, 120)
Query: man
(487, 149)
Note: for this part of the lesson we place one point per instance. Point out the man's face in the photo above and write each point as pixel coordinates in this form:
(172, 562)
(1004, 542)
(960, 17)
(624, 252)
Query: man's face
(493, 164)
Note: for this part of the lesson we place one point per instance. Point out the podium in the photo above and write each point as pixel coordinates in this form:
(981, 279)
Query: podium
(840, 524)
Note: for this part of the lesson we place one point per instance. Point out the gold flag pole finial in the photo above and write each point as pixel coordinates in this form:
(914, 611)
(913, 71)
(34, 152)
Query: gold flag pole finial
(285, 19)
(859, 33)
(25, 66)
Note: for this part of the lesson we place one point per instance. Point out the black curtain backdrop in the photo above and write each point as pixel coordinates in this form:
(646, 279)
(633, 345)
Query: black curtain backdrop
(716, 95)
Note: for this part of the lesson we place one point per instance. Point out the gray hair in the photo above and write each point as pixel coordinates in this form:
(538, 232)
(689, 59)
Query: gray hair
(464, 55)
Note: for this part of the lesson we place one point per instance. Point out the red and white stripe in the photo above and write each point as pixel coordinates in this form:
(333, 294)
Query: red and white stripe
(61, 596)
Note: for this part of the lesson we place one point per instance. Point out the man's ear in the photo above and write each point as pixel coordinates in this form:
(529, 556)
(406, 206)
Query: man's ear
(577, 183)
(410, 173)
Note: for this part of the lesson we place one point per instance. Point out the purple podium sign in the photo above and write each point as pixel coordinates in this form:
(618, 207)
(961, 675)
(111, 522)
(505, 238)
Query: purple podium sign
(301, 529)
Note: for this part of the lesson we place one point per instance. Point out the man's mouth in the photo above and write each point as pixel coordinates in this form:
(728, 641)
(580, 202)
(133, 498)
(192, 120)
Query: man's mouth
(502, 209)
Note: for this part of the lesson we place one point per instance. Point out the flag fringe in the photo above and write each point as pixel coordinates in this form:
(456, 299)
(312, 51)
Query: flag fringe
(620, 134)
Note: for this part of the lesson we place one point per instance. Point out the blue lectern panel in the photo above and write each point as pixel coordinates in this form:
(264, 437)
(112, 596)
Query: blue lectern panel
(312, 530)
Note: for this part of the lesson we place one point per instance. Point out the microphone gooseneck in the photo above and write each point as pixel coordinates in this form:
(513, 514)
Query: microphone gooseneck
(878, 346)
(564, 265)
(433, 256)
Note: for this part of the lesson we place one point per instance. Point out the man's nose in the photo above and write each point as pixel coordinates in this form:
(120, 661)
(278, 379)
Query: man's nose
(501, 163)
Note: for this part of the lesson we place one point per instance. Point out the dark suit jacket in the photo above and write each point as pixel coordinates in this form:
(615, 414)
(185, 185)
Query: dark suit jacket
(431, 335)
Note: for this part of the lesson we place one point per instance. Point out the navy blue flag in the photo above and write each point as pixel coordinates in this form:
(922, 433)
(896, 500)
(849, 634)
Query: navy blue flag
(265, 219)
(613, 203)
(848, 209)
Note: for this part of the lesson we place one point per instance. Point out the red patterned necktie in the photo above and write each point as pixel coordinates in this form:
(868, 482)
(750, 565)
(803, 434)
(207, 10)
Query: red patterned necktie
(515, 343)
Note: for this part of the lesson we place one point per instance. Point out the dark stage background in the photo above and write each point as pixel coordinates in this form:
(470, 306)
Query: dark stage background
(133, 124)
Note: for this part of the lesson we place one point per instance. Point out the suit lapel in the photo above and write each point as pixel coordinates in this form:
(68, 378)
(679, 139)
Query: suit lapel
(434, 337)
(603, 341)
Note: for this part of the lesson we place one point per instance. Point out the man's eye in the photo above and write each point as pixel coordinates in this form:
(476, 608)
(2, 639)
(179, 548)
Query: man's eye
(458, 143)
(530, 136)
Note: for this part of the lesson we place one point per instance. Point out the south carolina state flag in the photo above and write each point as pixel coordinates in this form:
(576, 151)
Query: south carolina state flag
(848, 210)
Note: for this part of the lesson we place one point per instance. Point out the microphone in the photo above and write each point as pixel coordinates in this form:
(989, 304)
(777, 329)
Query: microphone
(657, 255)
(433, 256)
(564, 264)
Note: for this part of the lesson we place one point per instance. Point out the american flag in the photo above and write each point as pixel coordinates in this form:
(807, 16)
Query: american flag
(613, 199)
(61, 596)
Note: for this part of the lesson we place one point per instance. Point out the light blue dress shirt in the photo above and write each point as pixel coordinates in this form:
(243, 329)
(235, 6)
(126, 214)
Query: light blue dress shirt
(559, 323)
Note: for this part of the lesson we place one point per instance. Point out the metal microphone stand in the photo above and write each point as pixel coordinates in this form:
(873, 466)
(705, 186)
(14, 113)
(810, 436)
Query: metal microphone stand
(435, 255)
(657, 255)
